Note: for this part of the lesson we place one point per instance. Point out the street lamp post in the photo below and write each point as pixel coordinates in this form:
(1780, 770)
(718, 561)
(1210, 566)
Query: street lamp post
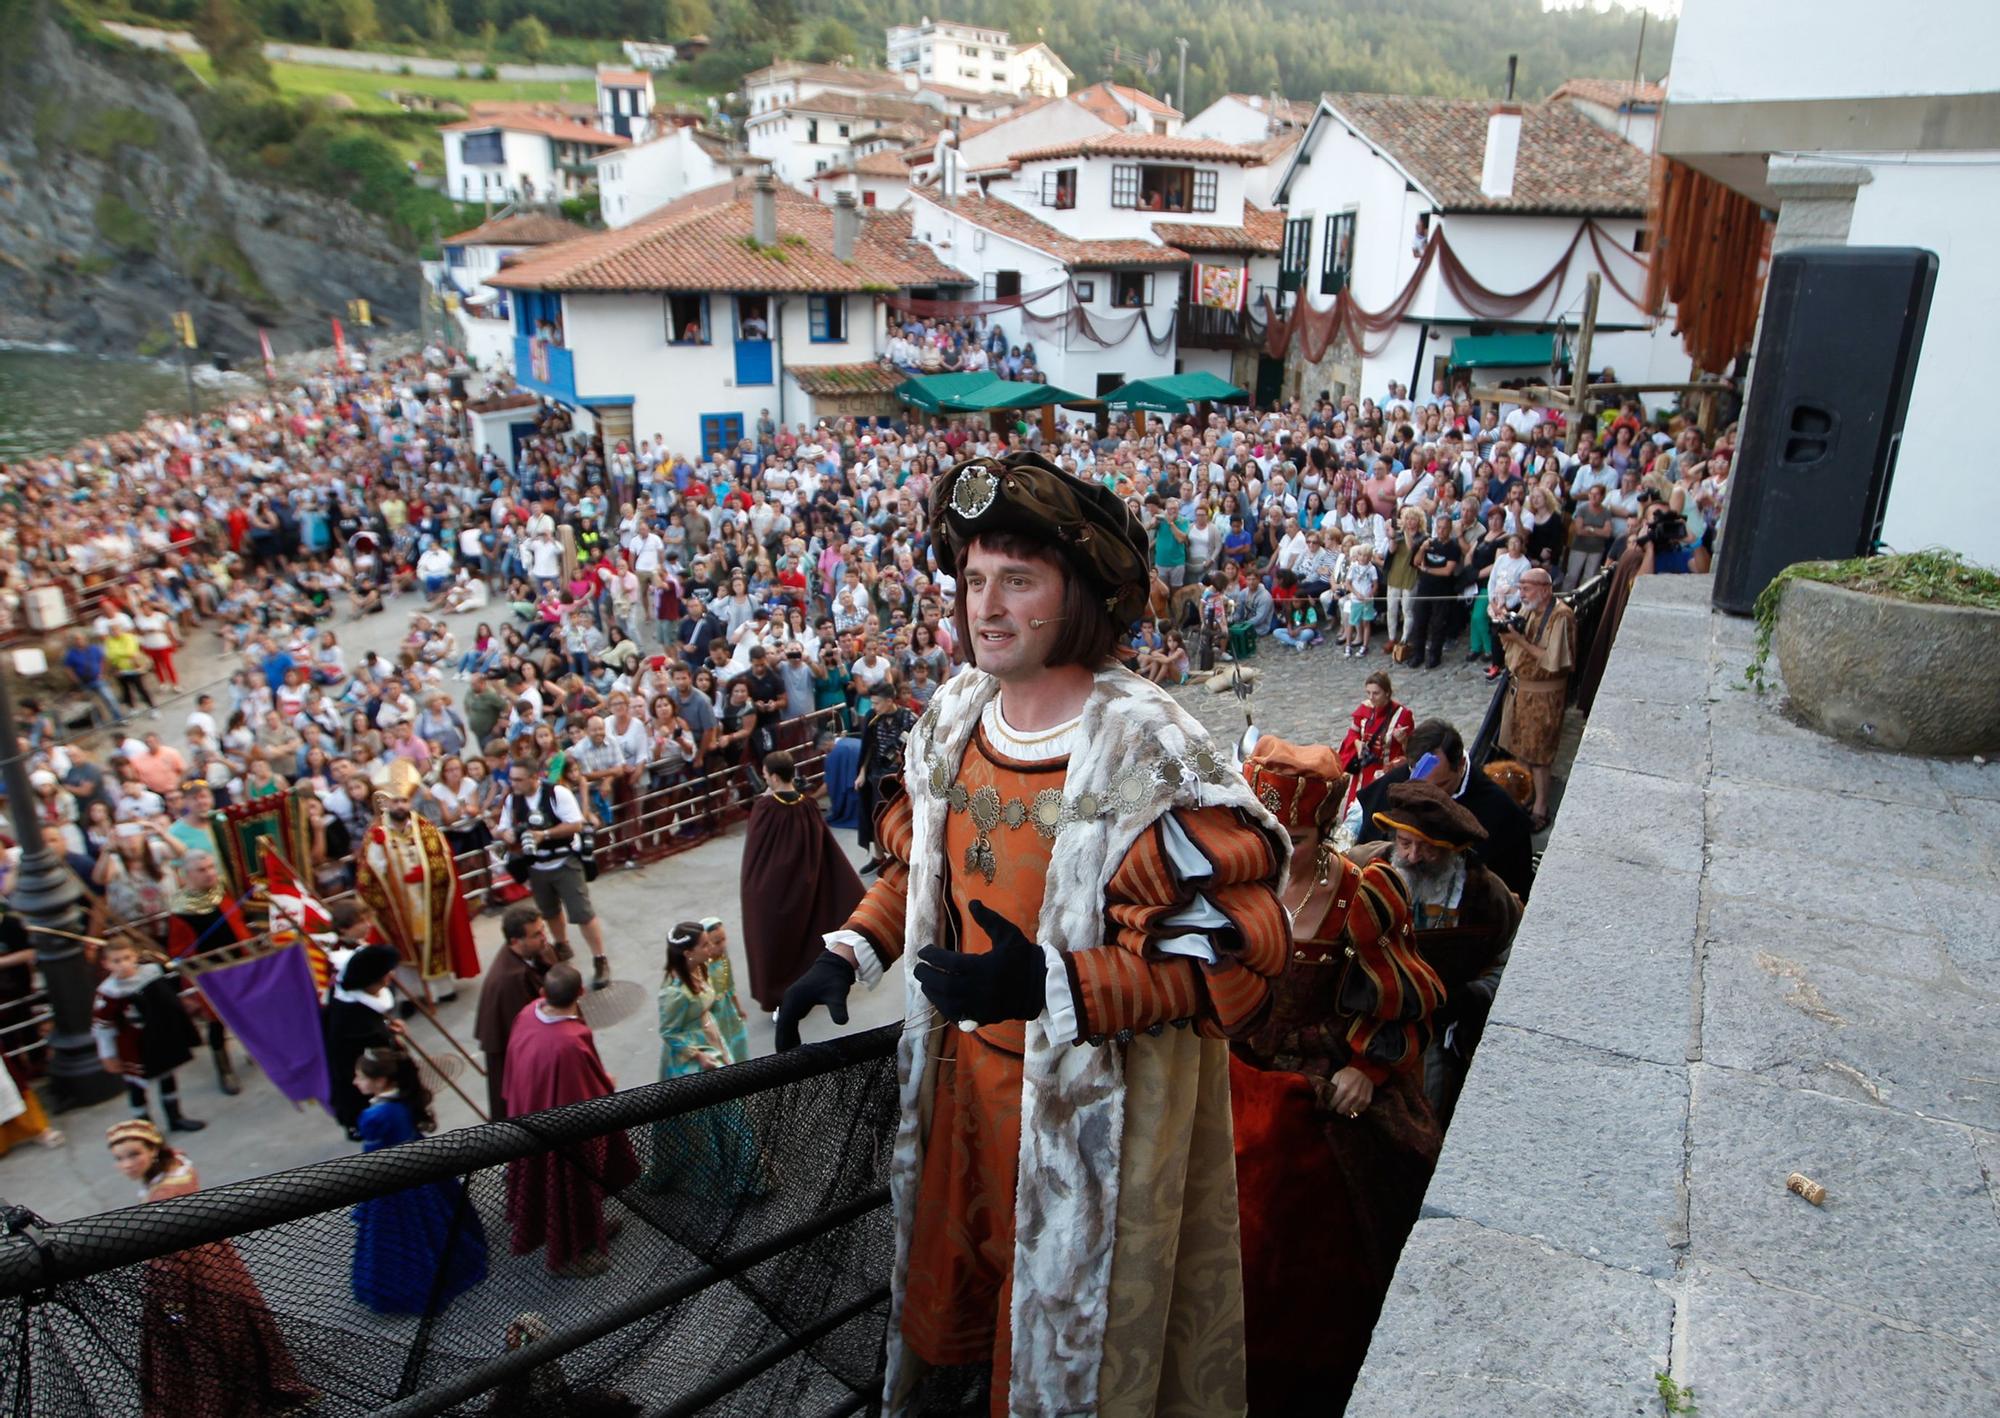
(47, 894)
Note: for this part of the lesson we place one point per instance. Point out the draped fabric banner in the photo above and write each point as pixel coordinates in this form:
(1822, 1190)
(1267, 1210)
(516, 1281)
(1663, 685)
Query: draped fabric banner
(1711, 250)
(956, 309)
(1370, 332)
(1218, 287)
(268, 1001)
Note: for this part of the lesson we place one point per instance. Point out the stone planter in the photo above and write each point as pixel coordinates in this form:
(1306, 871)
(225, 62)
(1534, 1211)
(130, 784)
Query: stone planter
(1894, 674)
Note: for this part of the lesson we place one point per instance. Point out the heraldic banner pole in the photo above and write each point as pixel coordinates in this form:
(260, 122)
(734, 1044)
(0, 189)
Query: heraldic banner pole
(50, 901)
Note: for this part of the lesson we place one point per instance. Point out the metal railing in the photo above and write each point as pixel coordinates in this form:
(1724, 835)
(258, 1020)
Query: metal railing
(647, 827)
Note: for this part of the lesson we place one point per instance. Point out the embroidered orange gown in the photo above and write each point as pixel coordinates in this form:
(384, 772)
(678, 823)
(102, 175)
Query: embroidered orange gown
(962, 1248)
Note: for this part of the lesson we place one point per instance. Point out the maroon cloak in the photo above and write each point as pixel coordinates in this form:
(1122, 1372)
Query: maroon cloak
(797, 886)
(557, 1199)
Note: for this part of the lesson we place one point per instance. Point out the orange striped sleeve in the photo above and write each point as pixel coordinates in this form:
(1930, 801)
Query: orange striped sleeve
(1130, 985)
(881, 915)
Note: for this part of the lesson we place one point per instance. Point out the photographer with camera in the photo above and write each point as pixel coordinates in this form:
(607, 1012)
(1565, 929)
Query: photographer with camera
(1664, 537)
(1539, 641)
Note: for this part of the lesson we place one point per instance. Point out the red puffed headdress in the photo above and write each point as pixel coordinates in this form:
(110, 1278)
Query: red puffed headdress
(1299, 783)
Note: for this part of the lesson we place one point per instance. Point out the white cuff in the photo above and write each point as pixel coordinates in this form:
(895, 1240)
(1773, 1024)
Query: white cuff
(1183, 856)
(869, 967)
(1060, 1003)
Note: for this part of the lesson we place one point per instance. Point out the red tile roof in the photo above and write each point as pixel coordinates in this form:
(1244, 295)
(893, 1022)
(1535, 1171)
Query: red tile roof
(692, 245)
(868, 80)
(1145, 145)
(1262, 233)
(522, 229)
(1567, 164)
(831, 380)
(1612, 93)
(884, 108)
(1008, 220)
(585, 113)
(624, 78)
(1284, 110)
(563, 130)
(886, 163)
(1103, 100)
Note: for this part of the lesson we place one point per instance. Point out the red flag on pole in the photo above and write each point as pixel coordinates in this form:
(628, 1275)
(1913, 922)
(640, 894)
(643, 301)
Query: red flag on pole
(293, 907)
(270, 367)
(340, 346)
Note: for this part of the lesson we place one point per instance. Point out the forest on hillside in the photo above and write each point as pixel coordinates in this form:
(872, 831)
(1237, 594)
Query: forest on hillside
(1295, 47)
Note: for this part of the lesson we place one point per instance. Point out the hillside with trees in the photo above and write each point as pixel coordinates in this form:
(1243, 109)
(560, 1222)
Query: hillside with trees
(1296, 47)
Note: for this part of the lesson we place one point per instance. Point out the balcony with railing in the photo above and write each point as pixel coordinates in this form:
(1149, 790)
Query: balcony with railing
(545, 367)
(1203, 327)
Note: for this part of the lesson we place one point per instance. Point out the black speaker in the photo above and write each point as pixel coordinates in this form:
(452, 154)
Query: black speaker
(1836, 354)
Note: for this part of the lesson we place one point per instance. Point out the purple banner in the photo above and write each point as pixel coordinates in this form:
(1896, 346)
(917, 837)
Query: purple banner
(271, 1006)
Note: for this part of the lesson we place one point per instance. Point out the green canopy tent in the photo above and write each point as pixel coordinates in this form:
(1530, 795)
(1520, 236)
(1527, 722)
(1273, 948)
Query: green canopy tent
(1173, 393)
(1529, 351)
(978, 393)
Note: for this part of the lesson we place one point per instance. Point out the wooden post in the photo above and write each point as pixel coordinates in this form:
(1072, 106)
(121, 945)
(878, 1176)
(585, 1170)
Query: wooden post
(1705, 420)
(1579, 404)
(1049, 424)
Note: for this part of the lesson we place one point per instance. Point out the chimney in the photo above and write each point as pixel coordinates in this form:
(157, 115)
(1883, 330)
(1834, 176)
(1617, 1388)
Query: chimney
(1503, 147)
(846, 226)
(764, 210)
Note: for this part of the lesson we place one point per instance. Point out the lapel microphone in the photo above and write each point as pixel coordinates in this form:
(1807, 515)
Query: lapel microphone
(1046, 620)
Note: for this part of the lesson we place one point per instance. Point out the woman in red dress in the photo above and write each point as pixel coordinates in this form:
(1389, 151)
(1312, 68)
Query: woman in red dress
(1375, 736)
(1334, 1139)
(209, 1347)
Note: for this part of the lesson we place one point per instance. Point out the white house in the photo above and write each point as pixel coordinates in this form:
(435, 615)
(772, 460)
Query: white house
(965, 56)
(811, 135)
(1099, 312)
(696, 319)
(1868, 144)
(1273, 126)
(1248, 119)
(484, 314)
(1130, 110)
(1038, 70)
(789, 80)
(644, 177)
(1039, 123)
(878, 179)
(520, 158)
(624, 101)
(1630, 110)
(1514, 193)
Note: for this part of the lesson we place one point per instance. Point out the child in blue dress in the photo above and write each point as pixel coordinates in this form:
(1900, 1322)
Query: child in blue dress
(403, 1241)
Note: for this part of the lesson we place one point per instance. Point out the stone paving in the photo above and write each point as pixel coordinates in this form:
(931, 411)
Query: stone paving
(1751, 951)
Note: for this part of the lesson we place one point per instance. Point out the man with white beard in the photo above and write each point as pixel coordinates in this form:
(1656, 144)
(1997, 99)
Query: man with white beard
(1464, 915)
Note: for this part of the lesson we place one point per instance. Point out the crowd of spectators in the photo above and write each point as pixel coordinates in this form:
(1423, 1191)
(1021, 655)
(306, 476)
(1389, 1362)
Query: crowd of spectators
(959, 346)
(643, 619)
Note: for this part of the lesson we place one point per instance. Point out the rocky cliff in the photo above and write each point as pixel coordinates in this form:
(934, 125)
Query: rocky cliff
(114, 213)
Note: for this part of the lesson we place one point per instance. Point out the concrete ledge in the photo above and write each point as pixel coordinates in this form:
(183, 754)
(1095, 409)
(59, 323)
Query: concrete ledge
(1750, 951)
(1480, 1323)
(1600, 1172)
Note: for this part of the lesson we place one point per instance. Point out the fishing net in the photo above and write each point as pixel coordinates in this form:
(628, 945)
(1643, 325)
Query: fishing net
(747, 1273)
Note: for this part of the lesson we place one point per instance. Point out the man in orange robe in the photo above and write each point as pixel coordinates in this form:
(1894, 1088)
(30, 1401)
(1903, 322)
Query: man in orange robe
(1089, 892)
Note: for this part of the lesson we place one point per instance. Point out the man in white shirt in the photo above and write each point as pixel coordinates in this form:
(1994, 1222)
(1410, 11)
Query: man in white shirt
(544, 557)
(435, 569)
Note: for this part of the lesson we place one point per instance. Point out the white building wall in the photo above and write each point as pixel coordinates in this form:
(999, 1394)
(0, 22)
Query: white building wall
(1041, 127)
(1949, 204)
(527, 155)
(1229, 120)
(795, 158)
(1727, 51)
(1635, 127)
(634, 181)
(1031, 71)
(1071, 363)
(1093, 218)
(620, 346)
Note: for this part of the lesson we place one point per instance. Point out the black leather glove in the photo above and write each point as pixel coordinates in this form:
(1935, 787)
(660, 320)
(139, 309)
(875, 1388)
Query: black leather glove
(826, 982)
(1007, 982)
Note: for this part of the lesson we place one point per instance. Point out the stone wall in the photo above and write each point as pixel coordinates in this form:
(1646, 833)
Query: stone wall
(1751, 951)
